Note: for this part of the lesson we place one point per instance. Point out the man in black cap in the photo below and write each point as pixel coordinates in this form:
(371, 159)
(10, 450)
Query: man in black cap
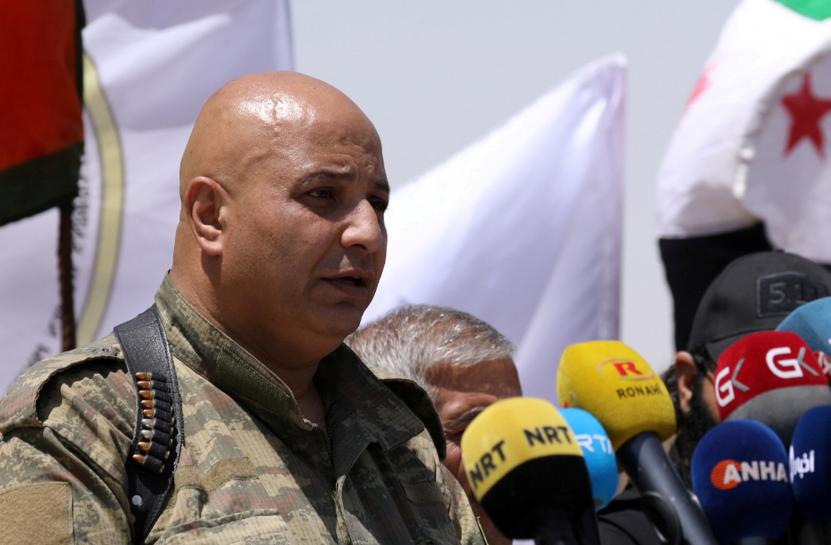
(753, 293)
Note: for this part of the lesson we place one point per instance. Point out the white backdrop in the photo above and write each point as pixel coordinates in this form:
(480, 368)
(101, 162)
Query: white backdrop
(435, 76)
(522, 228)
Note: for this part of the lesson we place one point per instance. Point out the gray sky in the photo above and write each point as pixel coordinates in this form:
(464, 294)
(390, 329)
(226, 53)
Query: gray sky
(435, 76)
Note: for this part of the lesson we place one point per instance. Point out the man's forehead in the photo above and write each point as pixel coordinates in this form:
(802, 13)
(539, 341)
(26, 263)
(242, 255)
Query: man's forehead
(497, 377)
(276, 108)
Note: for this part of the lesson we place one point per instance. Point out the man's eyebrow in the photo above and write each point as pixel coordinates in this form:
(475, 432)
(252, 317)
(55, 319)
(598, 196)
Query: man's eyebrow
(459, 422)
(329, 174)
(336, 174)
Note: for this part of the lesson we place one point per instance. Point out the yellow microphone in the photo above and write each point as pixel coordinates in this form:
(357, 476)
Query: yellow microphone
(615, 384)
(525, 467)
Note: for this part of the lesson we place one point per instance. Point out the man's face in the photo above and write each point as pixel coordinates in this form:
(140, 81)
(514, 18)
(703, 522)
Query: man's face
(463, 393)
(700, 415)
(306, 242)
(707, 394)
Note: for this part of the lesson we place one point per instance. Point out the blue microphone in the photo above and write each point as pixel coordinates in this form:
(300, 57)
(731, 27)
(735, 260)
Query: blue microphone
(740, 475)
(598, 454)
(810, 454)
(812, 322)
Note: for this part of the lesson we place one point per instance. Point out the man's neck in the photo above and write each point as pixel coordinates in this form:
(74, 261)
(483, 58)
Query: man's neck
(295, 370)
(311, 406)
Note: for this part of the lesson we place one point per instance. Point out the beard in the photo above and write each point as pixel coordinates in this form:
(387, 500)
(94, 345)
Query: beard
(692, 426)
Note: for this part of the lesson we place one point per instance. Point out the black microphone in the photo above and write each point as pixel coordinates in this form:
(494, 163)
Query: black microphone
(616, 385)
(525, 467)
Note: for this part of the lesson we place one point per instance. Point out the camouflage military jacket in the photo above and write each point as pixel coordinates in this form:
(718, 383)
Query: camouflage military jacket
(252, 470)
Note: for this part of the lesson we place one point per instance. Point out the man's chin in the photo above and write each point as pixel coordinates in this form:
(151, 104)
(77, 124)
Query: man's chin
(340, 319)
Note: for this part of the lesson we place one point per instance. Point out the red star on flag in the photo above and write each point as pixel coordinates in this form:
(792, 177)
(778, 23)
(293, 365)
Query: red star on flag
(701, 85)
(806, 111)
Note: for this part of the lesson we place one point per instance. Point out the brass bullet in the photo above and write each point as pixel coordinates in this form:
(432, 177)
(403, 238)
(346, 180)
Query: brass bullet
(144, 375)
(144, 446)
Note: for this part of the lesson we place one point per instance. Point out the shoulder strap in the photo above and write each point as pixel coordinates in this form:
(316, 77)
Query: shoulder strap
(158, 437)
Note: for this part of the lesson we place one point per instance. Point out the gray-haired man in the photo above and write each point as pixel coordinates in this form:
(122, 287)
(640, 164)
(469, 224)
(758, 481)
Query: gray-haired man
(463, 363)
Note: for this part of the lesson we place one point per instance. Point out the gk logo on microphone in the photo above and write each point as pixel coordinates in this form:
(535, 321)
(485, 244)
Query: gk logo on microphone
(724, 388)
(787, 368)
(778, 363)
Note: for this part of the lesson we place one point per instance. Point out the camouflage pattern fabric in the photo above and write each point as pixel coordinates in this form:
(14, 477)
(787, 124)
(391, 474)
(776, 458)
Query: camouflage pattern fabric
(252, 470)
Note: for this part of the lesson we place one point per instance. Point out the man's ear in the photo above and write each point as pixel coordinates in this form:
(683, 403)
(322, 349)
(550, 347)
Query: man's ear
(685, 373)
(206, 205)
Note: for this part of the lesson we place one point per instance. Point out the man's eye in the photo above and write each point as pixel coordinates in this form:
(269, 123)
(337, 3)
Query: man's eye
(453, 433)
(322, 193)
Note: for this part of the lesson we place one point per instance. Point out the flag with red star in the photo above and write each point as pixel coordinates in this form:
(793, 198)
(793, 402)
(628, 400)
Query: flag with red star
(749, 165)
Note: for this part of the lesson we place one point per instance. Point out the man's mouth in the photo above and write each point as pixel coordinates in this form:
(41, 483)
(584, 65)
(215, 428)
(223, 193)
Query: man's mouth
(356, 281)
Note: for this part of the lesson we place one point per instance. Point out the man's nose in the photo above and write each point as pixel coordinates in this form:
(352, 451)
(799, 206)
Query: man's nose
(365, 228)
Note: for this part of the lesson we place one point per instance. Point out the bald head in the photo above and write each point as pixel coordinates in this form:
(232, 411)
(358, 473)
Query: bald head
(281, 239)
(256, 115)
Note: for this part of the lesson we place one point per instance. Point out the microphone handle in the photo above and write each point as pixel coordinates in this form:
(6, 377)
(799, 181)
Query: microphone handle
(651, 470)
(555, 527)
(805, 533)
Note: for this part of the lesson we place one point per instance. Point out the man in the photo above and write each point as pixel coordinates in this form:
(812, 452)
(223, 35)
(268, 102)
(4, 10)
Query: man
(753, 293)
(463, 363)
(287, 437)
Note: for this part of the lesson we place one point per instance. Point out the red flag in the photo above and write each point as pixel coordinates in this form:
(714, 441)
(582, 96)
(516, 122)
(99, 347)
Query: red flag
(41, 125)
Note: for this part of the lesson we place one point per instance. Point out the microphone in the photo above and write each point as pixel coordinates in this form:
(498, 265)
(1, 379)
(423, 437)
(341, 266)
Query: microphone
(772, 377)
(739, 473)
(616, 385)
(526, 469)
(810, 474)
(597, 453)
(812, 322)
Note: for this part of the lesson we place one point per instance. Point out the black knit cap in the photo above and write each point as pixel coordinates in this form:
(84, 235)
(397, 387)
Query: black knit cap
(754, 293)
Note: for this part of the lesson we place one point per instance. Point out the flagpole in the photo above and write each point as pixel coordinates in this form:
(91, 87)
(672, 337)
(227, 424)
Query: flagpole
(65, 276)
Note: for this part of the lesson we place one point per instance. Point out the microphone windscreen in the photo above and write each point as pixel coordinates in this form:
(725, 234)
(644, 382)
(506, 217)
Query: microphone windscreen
(739, 473)
(770, 376)
(615, 384)
(812, 322)
(597, 453)
(522, 461)
(810, 464)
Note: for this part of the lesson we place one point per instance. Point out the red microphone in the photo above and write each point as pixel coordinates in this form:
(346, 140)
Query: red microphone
(772, 377)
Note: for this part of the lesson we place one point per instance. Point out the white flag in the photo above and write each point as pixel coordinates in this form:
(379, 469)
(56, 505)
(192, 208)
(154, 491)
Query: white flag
(753, 143)
(148, 67)
(523, 228)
